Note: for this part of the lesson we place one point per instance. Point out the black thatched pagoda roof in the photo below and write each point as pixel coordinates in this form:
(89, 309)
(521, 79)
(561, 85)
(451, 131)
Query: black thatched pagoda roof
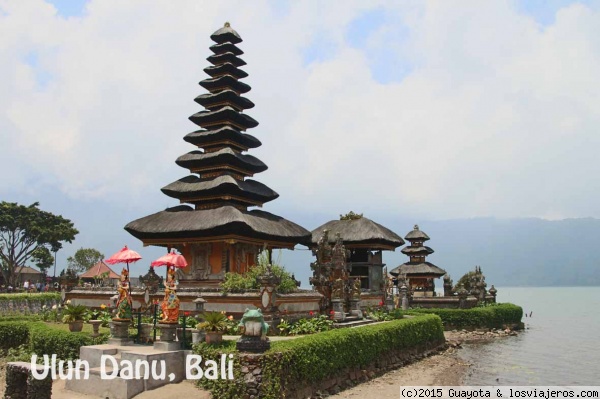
(221, 137)
(423, 250)
(226, 34)
(362, 232)
(220, 195)
(423, 269)
(225, 69)
(193, 187)
(198, 160)
(226, 48)
(224, 82)
(225, 97)
(184, 224)
(230, 57)
(416, 235)
(225, 116)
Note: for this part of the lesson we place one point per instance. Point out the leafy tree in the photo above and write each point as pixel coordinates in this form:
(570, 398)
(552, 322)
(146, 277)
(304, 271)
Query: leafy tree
(42, 258)
(83, 259)
(235, 282)
(26, 229)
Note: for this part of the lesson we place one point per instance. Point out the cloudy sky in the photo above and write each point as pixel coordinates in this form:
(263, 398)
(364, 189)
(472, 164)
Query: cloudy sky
(420, 110)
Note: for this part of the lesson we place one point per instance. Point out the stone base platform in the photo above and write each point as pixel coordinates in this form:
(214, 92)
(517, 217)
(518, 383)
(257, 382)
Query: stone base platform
(126, 371)
(253, 344)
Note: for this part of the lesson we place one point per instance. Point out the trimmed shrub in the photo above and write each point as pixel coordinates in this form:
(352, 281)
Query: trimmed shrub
(318, 356)
(311, 359)
(222, 388)
(44, 340)
(13, 334)
(492, 316)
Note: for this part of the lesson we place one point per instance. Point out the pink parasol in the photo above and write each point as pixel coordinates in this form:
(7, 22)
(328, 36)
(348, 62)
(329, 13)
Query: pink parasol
(171, 259)
(125, 255)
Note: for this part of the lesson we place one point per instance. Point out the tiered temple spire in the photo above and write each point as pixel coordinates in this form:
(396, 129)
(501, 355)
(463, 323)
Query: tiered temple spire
(218, 188)
(420, 273)
(219, 161)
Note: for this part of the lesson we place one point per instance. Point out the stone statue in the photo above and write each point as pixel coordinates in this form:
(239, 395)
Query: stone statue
(254, 339)
(254, 324)
(124, 299)
(337, 291)
(356, 288)
(389, 287)
(323, 251)
(170, 303)
(339, 253)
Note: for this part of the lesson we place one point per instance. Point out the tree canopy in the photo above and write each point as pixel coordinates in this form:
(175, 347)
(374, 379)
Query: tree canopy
(24, 230)
(83, 259)
(42, 258)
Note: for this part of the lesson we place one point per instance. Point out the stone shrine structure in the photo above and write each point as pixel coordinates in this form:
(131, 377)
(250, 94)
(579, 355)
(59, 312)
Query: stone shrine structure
(362, 241)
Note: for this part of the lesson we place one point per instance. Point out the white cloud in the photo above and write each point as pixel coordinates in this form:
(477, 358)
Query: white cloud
(497, 116)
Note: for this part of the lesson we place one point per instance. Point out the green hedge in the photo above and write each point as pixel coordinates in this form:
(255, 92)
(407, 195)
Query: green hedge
(13, 334)
(65, 344)
(310, 359)
(222, 388)
(42, 339)
(492, 316)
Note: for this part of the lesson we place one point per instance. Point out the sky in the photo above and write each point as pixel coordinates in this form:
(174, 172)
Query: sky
(412, 110)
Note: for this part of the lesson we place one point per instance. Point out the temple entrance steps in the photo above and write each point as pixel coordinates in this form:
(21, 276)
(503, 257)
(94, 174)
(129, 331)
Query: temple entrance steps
(109, 376)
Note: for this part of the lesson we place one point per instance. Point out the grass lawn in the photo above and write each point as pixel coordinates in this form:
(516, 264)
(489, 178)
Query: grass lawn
(87, 328)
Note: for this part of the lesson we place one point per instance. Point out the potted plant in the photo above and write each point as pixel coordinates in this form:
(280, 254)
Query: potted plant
(214, 324)
(74, 316)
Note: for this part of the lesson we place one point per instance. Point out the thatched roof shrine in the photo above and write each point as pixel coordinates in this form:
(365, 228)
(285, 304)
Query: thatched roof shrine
(359, 233)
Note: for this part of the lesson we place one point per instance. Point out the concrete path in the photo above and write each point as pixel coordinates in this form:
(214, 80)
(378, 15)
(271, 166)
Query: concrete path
(185, 389)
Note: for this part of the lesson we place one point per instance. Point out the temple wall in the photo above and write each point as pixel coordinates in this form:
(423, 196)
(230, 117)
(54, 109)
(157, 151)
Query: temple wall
(300, 303)
(443, 302)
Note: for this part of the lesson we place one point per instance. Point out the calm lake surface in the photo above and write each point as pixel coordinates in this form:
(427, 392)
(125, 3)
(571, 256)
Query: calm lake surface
(560, 346)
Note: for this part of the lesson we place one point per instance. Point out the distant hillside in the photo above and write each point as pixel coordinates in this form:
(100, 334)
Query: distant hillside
(511, 252)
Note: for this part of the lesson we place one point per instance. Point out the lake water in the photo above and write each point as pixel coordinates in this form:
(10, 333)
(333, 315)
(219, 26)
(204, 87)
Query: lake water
(560, 346)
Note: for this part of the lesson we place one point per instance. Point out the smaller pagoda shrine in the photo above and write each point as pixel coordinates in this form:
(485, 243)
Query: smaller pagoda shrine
(418, 274)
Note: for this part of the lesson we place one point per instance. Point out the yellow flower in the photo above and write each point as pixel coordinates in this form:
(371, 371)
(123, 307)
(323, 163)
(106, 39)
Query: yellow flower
(103, 306)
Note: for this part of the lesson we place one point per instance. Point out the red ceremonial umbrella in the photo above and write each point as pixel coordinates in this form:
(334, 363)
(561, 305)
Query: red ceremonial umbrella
(171, 259)
(125, 255)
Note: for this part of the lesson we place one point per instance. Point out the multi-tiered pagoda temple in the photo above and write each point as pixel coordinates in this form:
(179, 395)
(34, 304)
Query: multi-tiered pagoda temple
(419, 273)
(216, 232)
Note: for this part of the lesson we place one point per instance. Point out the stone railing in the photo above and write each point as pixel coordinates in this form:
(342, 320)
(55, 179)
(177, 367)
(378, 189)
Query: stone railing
(25, 305)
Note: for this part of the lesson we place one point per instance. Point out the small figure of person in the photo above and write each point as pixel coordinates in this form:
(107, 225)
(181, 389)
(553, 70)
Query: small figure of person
(170, 303)
(26, 285)
(124, 300)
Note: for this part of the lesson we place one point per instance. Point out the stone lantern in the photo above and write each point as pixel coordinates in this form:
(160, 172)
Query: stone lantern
(199, 303)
